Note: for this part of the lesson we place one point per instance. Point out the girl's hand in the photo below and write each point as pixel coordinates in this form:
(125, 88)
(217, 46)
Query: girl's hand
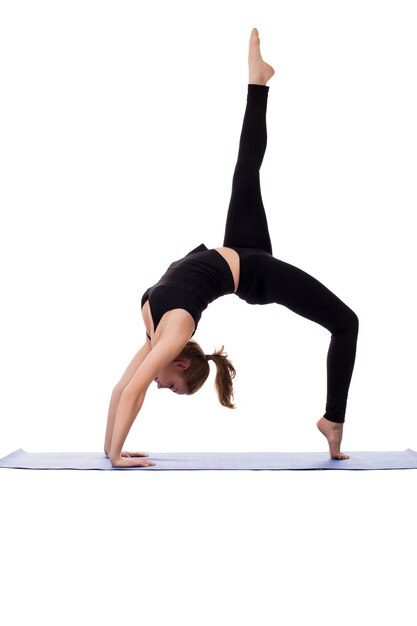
(128, 454)
(130, 462)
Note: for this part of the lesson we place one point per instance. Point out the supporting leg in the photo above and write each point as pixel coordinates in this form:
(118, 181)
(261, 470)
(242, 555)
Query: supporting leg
(293, 288)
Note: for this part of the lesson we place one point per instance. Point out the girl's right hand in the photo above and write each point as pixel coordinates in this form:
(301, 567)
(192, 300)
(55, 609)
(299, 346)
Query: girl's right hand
(131, 462)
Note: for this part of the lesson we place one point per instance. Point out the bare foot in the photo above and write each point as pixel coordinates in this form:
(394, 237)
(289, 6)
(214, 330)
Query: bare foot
(333, 433)
(259, 71)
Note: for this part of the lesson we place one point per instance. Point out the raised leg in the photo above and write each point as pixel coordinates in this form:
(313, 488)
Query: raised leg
(246, 223)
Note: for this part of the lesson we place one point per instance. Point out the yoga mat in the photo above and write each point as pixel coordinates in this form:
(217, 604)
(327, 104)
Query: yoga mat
(406, 459)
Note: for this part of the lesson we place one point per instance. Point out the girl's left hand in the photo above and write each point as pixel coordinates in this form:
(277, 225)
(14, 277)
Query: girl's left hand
(129, 454)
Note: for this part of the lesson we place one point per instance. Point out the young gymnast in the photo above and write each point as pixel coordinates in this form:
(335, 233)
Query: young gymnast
(244, 265)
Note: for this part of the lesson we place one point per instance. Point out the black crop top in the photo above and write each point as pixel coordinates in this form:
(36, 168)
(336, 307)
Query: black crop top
(190, 283)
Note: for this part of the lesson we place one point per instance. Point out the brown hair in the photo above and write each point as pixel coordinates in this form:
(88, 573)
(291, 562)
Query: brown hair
(197, 374)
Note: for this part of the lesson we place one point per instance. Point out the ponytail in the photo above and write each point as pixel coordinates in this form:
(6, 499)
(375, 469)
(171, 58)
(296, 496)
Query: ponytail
(224, 377)
(199, 370)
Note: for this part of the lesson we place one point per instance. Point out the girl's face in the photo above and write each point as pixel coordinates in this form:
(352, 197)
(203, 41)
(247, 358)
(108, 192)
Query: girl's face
(170, 377)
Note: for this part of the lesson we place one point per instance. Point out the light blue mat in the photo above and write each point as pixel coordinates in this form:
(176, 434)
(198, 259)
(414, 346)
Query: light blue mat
(406, 459)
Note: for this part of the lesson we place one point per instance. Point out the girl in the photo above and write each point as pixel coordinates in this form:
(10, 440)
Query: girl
(172, 308)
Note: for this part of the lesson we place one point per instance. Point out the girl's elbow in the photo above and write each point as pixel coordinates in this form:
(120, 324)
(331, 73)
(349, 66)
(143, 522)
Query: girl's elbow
(119, 386)
(132, 397)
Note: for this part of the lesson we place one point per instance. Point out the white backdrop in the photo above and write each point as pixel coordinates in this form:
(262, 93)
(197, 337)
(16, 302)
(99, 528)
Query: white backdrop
(120, 124)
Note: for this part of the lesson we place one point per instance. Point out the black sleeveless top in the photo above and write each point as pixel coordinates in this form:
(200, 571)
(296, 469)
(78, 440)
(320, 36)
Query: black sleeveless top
(190, 283)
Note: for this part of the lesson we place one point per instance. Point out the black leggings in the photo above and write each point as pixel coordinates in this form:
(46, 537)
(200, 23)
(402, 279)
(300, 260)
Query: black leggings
(265, 279)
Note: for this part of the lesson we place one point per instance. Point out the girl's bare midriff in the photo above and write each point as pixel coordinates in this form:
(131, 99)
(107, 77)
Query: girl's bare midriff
(233, 260)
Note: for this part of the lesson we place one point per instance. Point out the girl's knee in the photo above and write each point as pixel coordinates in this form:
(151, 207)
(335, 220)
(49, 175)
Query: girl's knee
(351, 322)
(355, 322)
(347, 323)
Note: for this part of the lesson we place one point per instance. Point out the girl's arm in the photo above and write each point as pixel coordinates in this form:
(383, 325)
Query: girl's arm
(169, 346)
(130, 371)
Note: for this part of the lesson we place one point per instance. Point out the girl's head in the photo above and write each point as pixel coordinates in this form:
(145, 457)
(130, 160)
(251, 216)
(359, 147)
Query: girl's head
(190, 370)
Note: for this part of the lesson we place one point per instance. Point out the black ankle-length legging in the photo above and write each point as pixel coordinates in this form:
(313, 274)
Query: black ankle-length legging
(265, 279)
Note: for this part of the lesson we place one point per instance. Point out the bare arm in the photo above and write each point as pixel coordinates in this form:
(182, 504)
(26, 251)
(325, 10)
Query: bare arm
(166, 350)
(130, 371)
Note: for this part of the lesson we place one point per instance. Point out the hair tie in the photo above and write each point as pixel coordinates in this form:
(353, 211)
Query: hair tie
(208, 357)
